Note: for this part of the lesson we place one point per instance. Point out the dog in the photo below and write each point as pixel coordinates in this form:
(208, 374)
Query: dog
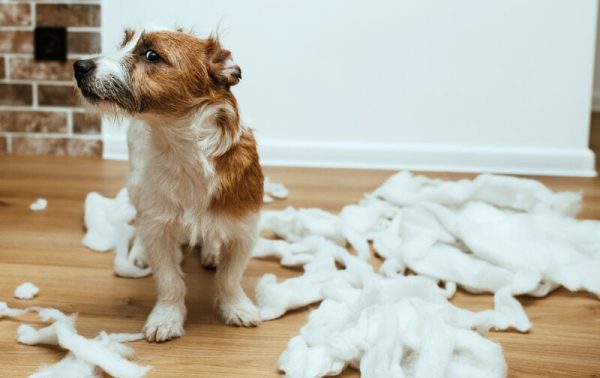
(194, 172)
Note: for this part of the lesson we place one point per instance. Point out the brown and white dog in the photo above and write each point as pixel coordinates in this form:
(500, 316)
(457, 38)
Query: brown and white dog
(194, 173)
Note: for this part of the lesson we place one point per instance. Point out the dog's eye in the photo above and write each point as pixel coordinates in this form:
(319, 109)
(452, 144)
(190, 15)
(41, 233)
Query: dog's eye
(152, 56)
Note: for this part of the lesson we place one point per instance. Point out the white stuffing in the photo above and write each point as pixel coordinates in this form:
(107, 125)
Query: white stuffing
(39, 205)
(107, 224)
(392, 328)
(86, 357)
(497, 234)
(26, 290)
(503, 235)
(124, 263)
(104, 220)
(101, 351)
(273, 190)
(8, 312)
(68, 367)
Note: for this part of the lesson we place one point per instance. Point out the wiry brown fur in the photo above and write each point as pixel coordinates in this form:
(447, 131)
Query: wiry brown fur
(241, 179)
(185, 78)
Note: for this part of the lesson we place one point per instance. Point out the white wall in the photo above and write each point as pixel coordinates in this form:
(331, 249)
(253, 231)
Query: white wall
(471, 85)
(596, 96)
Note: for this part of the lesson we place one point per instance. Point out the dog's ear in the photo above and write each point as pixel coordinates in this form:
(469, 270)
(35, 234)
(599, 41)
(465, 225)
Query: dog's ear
(221, 64)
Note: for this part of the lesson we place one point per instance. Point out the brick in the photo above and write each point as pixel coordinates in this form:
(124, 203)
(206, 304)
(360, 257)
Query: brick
(32, 121)
(86, 123)
(3, 144)
(18, 41)
(68, 14)
(15, 14)
(84, 43)
(27, 68)
(56, 146)
(58, 95)
(15, 94)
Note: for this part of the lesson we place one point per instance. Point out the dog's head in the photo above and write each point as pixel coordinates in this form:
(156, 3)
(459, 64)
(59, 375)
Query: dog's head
(158, 71)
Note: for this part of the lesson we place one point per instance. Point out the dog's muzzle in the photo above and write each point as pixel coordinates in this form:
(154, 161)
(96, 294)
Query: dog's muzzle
(83, 68)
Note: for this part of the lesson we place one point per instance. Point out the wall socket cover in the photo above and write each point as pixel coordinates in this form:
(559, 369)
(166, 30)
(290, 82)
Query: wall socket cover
(50, 43)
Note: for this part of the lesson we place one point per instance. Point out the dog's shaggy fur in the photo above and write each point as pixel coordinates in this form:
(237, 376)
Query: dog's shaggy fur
(194, 174)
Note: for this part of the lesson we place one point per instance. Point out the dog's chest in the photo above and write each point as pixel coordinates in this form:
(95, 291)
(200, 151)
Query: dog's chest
(189, 183)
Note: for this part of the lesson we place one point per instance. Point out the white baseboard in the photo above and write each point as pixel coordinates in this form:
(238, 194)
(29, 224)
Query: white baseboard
(529, 161)
(596, 101)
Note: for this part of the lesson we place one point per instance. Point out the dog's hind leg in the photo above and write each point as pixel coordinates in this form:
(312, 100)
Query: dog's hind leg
(137, 255)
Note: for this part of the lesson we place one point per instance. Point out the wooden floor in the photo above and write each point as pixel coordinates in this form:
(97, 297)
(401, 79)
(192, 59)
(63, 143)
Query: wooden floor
(45, 248)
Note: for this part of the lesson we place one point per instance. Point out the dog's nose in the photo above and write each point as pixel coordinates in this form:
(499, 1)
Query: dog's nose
(83, 67)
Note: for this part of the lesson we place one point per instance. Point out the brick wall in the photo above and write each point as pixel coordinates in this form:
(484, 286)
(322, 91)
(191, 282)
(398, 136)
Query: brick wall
(39, 109)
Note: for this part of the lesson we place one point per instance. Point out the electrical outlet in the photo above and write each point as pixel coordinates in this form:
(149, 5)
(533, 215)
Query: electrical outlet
(50, 43)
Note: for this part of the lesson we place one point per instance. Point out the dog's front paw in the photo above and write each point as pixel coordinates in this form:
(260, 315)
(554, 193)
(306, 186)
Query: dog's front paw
(241, 312)
(165, 322)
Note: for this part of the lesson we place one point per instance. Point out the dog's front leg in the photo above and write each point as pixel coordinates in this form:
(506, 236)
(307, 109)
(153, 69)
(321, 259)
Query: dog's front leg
(235, 306)
(164, 256)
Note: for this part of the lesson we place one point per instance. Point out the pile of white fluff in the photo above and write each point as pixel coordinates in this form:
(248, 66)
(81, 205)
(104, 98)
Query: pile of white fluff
(86, 358)
(497, 234)
(107, 221)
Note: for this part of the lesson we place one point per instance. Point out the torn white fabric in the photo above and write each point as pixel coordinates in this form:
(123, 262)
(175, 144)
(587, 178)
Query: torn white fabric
(39, 205)
(85, 357)
(497, 234)
(26, 290)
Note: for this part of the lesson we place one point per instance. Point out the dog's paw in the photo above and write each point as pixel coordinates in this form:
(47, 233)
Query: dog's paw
(137, 255)
(165, 322)
(242, 313)
(209, 260)
(209, 255)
